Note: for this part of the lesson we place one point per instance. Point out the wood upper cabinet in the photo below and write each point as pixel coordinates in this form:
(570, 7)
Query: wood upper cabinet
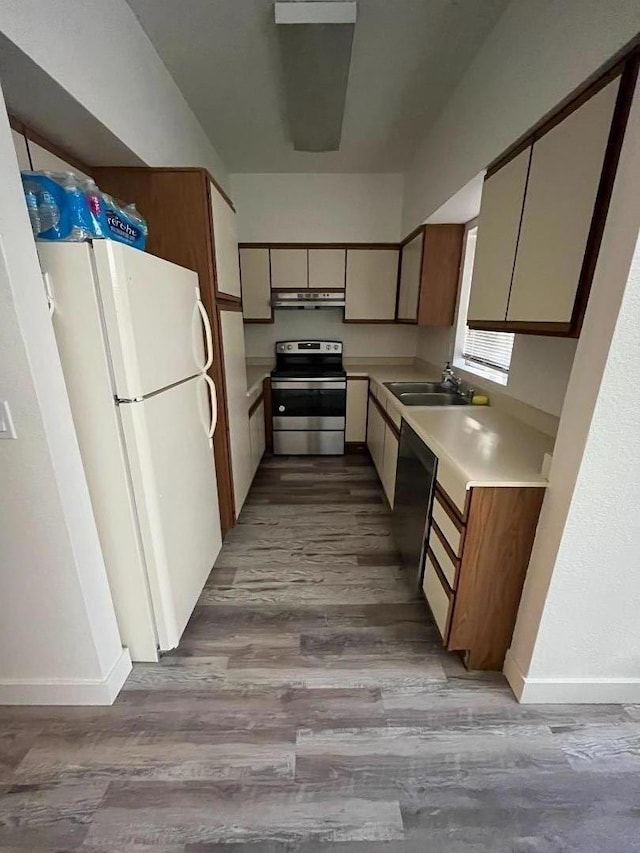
(225, 241)
(409, 283)
(326, 269)
(566, 165)
(255, 277)
(372, 281)
(429, 272)
(543, 214)
(442, 255)
(289, 269)
(498, 228)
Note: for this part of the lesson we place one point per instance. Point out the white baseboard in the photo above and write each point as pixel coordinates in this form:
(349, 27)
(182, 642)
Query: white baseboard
(569, 691)
(73, 692)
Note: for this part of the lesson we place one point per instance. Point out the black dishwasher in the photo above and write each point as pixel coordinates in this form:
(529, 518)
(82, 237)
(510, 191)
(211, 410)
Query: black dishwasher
(415, 483)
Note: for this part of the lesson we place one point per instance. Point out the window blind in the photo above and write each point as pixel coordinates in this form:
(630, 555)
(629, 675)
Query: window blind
(490, 349)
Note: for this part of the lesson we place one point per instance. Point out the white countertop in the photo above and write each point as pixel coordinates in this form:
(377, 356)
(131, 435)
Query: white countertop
(483, 445)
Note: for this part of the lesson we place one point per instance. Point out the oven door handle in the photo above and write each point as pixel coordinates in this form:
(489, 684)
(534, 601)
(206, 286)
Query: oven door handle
(308, 385)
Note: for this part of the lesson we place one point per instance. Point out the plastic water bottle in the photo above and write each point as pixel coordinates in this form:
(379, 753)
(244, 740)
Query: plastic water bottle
(31, 198)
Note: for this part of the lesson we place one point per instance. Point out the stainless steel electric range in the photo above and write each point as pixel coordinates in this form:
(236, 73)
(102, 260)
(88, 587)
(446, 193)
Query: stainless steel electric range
(308, 398)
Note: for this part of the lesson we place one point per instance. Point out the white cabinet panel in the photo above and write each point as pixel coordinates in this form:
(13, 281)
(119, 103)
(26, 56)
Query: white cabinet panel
(563, 182)
(256, 284)
(389, 463)
(375, 435)
(502, 201)
(289, 269)
(226, 244)
(20, 144)
(327, 268)
(357, 394)
(235, 371)
(436, 596)
(410, 269)
(258, 437)
(372, 281)
(44, 161)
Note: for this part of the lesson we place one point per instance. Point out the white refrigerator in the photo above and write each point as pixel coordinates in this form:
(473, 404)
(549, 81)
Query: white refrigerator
(135, 346)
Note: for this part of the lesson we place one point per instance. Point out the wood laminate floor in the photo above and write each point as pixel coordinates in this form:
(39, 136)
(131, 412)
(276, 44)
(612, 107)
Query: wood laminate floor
(311, 708)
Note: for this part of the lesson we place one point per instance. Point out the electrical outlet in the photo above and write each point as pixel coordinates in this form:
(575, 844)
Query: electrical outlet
(7, 429)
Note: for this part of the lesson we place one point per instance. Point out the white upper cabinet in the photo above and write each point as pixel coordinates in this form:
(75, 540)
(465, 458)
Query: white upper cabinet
(256, 284)
(327, 268)
(372, 281)
(225, 241)
(502, 201)
(410, 269)
(563, 182)
(45, 161)
(20, 144)
(289, 269)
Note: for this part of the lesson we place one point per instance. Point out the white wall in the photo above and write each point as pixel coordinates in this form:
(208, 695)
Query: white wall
(537, 53)
(360, 341)
(59, 640)
(99, 53)
(282, 208)
(577, 637)
(318, 208)
(539, 373)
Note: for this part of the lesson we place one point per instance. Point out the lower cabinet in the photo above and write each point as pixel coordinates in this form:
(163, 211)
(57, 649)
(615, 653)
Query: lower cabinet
(375, 434)
(257, 436)
(475, 565)
(382, 441)
(356, 425)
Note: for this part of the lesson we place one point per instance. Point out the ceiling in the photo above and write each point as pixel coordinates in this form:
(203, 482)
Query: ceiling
(407, 57)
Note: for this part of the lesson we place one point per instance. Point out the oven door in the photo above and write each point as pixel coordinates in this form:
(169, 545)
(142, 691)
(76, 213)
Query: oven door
(308, 404)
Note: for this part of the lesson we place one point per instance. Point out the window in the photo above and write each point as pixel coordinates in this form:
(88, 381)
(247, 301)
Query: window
(487, 354)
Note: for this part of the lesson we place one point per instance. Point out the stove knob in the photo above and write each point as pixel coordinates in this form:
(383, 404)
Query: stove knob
(289, 346)
(281, 408)
(336, 346)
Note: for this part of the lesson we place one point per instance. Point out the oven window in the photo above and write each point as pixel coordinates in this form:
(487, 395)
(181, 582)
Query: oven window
(307, 402)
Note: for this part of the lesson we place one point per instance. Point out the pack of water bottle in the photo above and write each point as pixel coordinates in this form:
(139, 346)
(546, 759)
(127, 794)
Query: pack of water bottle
(65, 206)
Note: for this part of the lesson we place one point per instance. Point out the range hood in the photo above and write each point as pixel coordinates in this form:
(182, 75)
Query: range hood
(307, 299)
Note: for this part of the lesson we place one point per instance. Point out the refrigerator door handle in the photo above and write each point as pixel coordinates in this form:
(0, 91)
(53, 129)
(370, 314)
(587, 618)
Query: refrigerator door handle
(207, 334)
(214, 406)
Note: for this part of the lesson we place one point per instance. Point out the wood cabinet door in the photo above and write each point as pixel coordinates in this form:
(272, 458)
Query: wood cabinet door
(289, 269)
(255, 278)
(498, 226)
(356, 423)
(564, 176)
(225, 243)
(327, 269)
(440, 274)
(389, 463)
(410, 271)
(372, 281)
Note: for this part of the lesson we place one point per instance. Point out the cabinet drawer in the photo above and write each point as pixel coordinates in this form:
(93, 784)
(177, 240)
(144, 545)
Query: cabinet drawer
(439, 598)
(452, 534)
(453, 486)
(448, 566)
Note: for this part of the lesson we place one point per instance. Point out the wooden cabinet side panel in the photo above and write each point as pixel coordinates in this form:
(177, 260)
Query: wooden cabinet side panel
(440, 274)
(500, 532)
(175, 205)
(410, 272)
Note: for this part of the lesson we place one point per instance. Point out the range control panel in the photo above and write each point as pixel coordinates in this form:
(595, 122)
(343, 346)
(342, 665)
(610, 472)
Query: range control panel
(293, 347)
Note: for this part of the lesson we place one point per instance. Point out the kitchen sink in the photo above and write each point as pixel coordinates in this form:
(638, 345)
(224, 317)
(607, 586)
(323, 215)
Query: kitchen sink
(426, 394)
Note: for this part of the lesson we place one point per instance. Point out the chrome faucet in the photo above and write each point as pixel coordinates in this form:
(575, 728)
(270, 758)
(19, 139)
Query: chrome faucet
(449, 377)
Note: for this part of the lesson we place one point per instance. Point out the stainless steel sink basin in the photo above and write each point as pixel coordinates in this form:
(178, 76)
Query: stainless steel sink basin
(426, 394)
